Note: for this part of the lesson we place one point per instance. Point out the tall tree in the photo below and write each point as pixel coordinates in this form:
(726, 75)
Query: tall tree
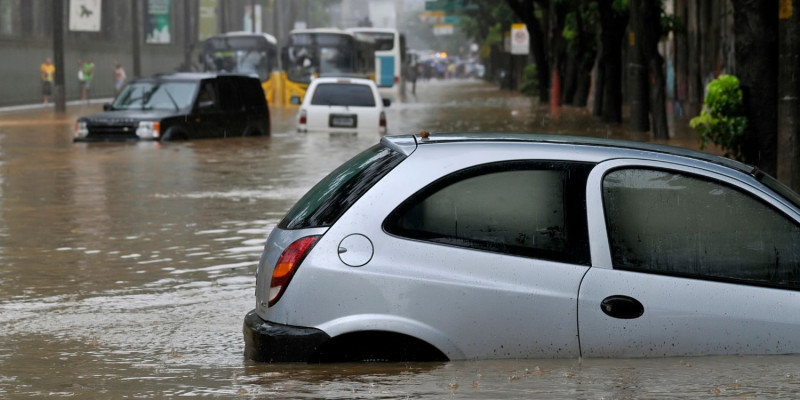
(638, 76)
(534, 14)
(756, 44)
(645, 21)
(613, 23)
(579, 33)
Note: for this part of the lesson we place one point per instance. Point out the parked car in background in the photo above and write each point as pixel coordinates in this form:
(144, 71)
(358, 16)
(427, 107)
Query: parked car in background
(181, 106)
(342, 104)
(481, 246)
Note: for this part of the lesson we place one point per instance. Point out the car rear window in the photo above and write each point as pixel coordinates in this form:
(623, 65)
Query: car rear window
(343, 94)
(334, 194)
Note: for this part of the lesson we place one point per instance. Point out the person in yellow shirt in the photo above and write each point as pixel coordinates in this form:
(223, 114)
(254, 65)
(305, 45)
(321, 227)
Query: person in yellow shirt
(48, 72)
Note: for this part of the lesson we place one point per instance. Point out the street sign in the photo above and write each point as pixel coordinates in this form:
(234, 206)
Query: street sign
(519, 39)
(450, 5)
(432, 17)
(84, 15)
(443, 29)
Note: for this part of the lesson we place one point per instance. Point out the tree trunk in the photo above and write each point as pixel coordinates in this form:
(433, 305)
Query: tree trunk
(650, 15)
(637, 70)
(583, 57)
(789, 100)
(599, 83)
(756, 35)
(658, 98)
(526, 11)
(612, 28)
(570, 80)
(584, 82)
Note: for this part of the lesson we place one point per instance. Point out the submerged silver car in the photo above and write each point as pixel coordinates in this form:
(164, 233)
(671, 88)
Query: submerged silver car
(477, 246)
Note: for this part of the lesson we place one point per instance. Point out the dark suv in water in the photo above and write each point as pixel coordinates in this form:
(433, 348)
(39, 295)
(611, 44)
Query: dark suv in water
(181, 106)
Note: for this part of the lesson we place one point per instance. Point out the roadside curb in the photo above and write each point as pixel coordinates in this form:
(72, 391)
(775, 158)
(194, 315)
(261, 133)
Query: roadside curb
(26, 107)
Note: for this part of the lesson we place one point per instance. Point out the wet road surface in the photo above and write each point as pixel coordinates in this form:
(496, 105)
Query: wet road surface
(127, 268)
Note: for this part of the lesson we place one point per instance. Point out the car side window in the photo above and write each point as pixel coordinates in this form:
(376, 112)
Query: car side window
(533, 209)
(206, 101)
(677, 224)
(229, 99)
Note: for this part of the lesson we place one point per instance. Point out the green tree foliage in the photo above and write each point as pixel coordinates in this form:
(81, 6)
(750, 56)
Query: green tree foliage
(722, 120)
(530, 81)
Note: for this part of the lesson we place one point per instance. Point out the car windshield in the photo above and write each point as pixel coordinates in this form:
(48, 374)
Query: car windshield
(343, 94)
(333, 195)
(156, 96)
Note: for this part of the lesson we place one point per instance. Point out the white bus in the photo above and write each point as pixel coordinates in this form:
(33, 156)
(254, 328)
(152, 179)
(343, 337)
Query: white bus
(390, 58)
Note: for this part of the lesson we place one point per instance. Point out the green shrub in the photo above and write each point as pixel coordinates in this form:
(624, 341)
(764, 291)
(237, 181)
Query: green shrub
(722, 120)
(530, 81)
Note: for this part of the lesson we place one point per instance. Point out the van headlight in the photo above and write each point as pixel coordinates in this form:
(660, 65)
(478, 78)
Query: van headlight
(81, 130)
(148, 130)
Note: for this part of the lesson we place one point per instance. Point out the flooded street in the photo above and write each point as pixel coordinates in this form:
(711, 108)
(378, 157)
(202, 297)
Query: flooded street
(127, 268)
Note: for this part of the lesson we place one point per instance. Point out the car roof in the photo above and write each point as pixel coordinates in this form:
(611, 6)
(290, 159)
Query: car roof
(345, 80)
(321, 30)
(407, 143)
(369, 30)
(269, 38)
(189, 76)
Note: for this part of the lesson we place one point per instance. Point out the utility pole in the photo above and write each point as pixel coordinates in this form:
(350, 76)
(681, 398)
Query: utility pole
(187, 35)
(137, 37)
(253, 16)
(58, 55)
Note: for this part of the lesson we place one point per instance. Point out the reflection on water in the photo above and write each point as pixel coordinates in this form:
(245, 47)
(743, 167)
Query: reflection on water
(127, 268)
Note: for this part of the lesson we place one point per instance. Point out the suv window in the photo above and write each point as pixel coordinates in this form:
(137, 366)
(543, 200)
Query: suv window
(343, 94)
(229, 98)
(675, 224)
(534, 209)
(333, 195)
(205, 99)
(252, 94)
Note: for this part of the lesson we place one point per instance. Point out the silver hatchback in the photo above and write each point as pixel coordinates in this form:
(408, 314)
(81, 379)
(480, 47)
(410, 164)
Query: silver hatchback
(476, 246)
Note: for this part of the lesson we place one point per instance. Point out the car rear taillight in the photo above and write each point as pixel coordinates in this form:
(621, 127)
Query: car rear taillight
(287, 265)
(302, 117)
(382, 122)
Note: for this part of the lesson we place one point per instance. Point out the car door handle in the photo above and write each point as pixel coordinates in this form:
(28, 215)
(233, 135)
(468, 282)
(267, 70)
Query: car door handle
(622, 307)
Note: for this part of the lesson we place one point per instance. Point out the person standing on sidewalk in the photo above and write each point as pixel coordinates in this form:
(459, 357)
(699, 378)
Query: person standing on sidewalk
(119, 77)
(80, 77)
(48, 72)
(88, 74)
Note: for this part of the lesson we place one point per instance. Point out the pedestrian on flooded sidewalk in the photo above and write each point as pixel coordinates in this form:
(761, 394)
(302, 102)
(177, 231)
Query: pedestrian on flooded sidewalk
(48, 71)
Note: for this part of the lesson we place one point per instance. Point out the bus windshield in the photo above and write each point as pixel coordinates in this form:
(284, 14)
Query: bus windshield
(383, 40)
(251, 55)
(310, 54)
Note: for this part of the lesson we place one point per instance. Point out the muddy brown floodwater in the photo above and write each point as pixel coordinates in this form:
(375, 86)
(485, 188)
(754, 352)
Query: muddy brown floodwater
(126, 268)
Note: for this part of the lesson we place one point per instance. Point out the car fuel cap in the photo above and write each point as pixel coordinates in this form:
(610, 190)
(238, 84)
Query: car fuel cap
(355, 250)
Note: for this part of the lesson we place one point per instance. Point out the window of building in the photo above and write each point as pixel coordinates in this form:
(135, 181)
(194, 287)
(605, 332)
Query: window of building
(676, 224)
(532, 209)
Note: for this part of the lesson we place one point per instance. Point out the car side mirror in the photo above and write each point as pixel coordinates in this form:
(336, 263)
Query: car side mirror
(387, 102)
(107, 107)
(295, 100)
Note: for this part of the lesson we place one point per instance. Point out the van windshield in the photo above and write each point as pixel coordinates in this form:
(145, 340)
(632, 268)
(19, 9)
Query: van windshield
(333, 195)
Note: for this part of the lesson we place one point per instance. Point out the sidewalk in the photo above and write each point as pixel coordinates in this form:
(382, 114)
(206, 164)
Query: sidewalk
(27, 107)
